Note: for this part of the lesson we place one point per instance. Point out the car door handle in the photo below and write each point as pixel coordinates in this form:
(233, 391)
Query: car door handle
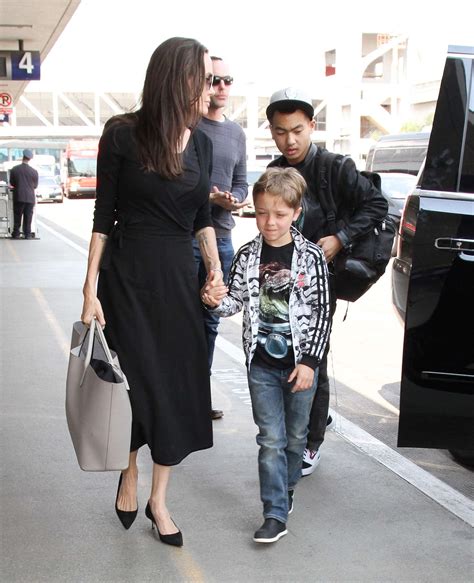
(465, 247)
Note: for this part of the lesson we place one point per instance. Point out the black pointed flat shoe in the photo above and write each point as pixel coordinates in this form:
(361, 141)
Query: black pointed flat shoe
(175, 539)
(126, 517)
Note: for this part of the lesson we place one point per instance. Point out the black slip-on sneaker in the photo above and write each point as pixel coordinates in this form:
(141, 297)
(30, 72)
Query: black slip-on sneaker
(270, 531)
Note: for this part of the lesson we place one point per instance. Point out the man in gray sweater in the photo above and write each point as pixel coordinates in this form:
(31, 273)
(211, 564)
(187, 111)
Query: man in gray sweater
(228, 182)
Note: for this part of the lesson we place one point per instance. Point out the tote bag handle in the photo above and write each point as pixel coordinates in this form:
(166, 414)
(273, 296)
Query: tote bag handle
(96, 329)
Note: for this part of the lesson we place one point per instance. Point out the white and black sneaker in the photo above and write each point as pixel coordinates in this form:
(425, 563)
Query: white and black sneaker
(270, 531)
(311, 459)
(291, 498)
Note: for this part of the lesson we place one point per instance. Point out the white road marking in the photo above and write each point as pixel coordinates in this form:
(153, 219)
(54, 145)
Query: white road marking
(55, 326)
(64, 239)
(452, 500)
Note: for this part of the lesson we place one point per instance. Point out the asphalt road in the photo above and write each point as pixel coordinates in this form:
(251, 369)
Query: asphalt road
(368, 514)
(365, 358)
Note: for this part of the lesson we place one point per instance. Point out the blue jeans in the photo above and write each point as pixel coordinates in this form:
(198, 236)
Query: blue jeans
(282, 419)
(211, 322)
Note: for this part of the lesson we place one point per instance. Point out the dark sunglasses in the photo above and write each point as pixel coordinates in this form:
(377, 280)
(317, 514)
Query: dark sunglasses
(209, 80)
(227, 80)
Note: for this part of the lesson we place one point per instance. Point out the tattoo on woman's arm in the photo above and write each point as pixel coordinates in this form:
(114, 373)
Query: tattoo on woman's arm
(210, 257)
(203, 245)
(202, 238)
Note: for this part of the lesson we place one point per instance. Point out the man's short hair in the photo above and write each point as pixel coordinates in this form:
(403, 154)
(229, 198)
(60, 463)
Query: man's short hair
(286, 183)
(289, 100)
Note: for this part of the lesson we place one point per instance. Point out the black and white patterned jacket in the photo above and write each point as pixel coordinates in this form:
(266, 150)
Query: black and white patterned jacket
(309, 310)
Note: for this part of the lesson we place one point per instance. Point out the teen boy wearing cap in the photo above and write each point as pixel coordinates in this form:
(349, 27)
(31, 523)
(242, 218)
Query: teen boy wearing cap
(229, 186)
(23, 180)
(359, 207)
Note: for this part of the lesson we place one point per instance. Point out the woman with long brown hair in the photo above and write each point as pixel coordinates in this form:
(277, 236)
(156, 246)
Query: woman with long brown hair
(153, 186)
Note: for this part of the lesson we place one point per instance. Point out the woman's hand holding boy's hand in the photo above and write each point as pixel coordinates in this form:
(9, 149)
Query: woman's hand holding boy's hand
(212, 293)
(303, 376)
(214, 278)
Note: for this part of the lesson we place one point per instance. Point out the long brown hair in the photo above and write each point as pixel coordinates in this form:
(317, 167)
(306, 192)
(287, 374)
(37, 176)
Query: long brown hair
(171, 96)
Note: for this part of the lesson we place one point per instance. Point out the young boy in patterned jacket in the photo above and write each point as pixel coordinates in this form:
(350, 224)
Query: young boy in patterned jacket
(280, 281)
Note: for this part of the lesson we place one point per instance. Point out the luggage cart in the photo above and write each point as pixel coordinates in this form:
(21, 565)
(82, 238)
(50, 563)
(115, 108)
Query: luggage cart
(6, 213)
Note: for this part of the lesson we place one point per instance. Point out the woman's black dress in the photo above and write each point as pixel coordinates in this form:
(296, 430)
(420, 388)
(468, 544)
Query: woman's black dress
(149, 291)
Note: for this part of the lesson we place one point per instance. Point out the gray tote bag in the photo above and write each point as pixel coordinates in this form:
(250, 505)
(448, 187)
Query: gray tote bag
(98, 411)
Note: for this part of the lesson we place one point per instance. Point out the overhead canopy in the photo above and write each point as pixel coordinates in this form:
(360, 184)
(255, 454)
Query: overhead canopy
(34, 26)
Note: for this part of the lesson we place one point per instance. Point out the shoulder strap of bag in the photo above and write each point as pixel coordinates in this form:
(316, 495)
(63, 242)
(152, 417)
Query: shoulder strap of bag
(326, 191)
(95, 329)
(82, 335)
(103, 341)
(105, 346)
(89, 338)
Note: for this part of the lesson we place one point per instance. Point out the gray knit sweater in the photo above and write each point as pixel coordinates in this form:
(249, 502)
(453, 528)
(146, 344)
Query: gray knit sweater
(229, 168)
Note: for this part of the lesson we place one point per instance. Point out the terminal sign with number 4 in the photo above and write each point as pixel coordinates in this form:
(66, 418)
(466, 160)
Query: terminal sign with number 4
(20, 65)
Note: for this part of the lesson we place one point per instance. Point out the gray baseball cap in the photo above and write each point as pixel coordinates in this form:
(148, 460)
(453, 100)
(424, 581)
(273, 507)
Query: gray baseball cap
(27, 154)
(289, 99)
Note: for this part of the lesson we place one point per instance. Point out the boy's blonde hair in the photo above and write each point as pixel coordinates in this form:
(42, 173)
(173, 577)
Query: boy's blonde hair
(284, 182)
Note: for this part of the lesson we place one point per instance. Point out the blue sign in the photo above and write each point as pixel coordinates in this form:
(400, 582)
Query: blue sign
(25, 65)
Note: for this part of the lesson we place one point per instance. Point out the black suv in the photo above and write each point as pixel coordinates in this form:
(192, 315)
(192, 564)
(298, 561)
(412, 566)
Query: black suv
(433, 276)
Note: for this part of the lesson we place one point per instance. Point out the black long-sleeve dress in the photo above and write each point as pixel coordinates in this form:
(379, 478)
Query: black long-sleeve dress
(149, 291)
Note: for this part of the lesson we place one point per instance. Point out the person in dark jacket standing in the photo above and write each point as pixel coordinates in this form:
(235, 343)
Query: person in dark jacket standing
(360, 205)
(23, 180)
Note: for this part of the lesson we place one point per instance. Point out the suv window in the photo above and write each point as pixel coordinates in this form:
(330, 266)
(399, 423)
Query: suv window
(399, 159)
(467, 172)
(398, 153)
(442, 169)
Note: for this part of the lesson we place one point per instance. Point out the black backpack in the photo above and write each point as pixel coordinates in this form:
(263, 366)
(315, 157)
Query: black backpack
(358, 268)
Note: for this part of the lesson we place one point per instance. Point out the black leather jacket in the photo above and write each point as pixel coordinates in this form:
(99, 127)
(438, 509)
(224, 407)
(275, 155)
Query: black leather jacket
(360, 205)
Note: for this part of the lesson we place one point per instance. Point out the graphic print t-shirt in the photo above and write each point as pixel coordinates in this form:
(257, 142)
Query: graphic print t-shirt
(274, 344)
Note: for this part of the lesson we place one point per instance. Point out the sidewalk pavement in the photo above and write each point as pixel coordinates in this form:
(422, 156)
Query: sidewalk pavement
(355, 520)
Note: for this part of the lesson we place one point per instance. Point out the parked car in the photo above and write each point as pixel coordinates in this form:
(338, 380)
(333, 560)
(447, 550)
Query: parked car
(49, 189)
(433, 277)
(398, 153)
(396, 186)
